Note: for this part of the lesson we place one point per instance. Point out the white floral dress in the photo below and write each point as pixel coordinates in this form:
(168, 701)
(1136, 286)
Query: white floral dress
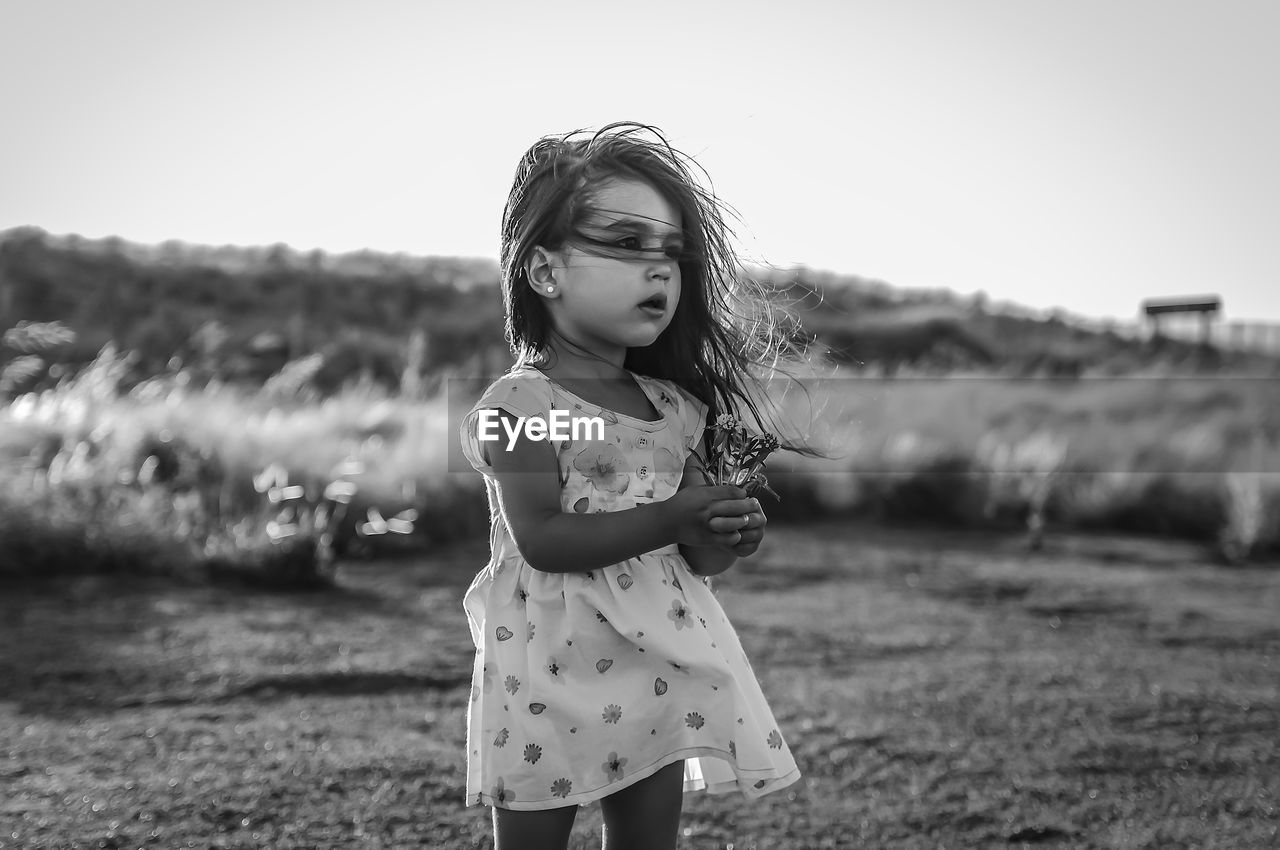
(586, 682)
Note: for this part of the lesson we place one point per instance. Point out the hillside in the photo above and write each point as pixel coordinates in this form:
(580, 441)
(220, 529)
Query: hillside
(240, 313)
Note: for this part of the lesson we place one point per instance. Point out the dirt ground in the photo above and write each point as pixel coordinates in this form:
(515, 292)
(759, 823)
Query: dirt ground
(938, 690)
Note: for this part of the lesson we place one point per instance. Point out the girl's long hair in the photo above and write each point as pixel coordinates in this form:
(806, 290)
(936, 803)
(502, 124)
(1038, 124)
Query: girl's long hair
(727, 334)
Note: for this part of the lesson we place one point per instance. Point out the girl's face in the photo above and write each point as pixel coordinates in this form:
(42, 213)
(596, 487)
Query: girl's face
(627, 298)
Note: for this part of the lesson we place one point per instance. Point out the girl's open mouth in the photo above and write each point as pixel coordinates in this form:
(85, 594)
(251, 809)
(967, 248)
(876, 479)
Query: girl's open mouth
(657, 305)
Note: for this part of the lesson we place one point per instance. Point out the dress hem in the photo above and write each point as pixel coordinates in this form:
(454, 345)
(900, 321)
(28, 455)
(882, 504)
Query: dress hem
(744, 782)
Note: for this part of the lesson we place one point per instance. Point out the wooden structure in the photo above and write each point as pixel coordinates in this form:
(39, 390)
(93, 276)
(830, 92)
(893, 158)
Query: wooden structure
(1207, 306)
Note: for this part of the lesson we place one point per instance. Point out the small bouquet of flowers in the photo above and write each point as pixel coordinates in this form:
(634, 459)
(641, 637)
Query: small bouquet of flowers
(737, 456)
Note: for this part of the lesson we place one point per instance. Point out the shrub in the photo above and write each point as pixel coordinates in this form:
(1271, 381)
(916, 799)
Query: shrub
(174, 480)
(1167, 503)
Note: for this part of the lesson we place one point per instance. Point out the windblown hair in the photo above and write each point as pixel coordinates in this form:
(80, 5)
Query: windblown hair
(725, 334)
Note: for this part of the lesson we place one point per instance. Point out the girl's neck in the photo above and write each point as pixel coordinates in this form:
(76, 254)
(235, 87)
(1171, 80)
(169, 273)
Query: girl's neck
(570, 360)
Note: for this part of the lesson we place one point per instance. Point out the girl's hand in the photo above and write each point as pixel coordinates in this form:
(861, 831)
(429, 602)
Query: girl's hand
(713, 515)
(752, 533)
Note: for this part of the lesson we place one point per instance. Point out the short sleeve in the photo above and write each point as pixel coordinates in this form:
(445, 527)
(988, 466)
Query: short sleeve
(693, 418)
(516, 394)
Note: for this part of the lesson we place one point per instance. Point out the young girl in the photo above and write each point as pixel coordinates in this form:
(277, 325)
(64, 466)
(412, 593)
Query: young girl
(605, 668)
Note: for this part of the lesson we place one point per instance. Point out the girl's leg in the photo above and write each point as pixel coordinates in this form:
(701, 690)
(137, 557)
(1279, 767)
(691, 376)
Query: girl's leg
(645, 816)
(542, 830)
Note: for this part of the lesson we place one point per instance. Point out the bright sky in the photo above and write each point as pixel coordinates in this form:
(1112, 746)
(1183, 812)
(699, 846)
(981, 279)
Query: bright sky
(1076, 153)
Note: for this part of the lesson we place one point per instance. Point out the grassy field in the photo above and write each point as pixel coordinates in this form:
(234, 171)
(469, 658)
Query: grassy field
(96, 479)
(939, 689)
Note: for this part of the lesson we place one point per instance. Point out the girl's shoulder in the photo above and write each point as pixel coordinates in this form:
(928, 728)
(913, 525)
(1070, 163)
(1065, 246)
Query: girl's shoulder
(523, 392)
(523, 389)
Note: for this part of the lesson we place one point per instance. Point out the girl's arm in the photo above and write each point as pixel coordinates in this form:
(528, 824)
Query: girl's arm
(715, 559)
(554, 541)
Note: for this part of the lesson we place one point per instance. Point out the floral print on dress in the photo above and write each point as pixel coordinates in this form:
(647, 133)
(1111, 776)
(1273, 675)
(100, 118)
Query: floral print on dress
(500, 793)
(604, 465)
(512, 685)
(613, 766)
(561, 787)
(532, 752)
(501, 739)
(668, 467)
(679, 615)
(612, 713)
(694, 720)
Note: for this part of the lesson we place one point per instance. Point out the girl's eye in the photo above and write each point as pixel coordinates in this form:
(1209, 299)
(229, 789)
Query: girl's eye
(632, 243)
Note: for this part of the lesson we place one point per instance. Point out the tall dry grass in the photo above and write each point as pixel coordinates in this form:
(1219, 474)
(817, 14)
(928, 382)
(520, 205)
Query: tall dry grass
(167, 477)
(280, 483)
(1194, 457)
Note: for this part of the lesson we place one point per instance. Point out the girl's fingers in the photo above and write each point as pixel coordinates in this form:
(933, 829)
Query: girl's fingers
(726, 524)
(750, 521)
(749, 539)
(732, 507)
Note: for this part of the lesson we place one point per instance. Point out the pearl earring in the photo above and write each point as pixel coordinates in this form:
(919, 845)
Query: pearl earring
(551, 289)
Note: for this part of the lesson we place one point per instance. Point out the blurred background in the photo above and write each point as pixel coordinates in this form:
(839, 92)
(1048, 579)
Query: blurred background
(248, 279)
(226, 229)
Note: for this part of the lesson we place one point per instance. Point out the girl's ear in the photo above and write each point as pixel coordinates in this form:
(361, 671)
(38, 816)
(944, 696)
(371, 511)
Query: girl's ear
(541, 271)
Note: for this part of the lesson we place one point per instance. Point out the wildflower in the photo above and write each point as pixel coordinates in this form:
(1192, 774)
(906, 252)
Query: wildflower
(738, 456)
